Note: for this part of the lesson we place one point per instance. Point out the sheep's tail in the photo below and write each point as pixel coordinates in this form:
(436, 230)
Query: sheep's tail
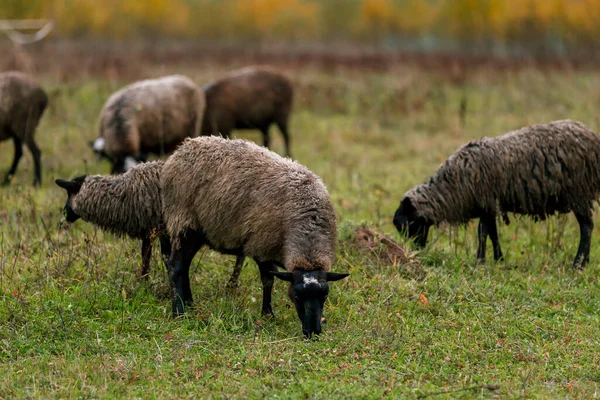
(505, 218)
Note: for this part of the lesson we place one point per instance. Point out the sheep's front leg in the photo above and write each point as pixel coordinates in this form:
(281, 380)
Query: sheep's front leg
(586, 225)
(487, 227)
(267, 281)
(175, 267)
(18, 154)
(179, 271)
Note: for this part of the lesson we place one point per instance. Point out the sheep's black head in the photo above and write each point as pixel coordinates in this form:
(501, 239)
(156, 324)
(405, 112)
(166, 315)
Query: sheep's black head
(309, 290)
(72, 187)
(410, 224)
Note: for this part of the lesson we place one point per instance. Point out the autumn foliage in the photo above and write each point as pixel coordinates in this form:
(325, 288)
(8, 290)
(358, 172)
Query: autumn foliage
(560, 22)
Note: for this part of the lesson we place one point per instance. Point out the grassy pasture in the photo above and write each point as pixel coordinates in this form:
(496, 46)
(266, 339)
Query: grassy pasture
(75, 321)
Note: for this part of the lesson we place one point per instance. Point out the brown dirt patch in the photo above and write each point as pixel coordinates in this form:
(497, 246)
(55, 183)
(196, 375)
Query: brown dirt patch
(386, 250)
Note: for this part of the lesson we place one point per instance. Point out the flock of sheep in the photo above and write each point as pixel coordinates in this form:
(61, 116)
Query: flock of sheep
(243, 200)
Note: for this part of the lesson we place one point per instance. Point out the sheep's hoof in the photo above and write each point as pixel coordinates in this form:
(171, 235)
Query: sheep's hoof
(232, 285)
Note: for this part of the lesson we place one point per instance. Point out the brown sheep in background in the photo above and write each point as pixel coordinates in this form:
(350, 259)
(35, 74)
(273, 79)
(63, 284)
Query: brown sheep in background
(537, 171)
(150, 116)
(250, 98)
(242, 199)
(22, 103)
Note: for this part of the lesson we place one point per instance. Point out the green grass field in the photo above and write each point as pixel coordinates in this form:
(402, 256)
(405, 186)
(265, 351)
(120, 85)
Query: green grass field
(75, 321)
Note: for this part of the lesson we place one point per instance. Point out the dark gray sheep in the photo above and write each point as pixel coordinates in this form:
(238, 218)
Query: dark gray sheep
(22, 103)
(242, 199)
(128, 204)
(536, 171)
(150, 116)
(250, 98)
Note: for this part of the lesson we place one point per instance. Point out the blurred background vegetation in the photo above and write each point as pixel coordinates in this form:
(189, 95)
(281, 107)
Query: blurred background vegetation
(471, 26)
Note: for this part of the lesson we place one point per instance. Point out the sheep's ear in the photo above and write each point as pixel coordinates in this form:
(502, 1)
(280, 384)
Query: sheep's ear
(407, 206)
(335, 276)
(284, 276)
(70, 186)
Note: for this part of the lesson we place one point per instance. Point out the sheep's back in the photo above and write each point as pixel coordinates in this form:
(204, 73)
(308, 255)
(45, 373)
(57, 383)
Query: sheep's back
(549, 168)
(251, 97)
(537, 170)
(241, 196)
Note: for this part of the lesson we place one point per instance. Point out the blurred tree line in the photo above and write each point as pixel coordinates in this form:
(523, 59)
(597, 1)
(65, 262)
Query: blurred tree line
(546, 25)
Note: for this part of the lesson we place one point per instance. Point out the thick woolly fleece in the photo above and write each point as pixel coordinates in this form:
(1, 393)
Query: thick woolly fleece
(536, 171)
(128, 204)
(150, 116)
(244, 197)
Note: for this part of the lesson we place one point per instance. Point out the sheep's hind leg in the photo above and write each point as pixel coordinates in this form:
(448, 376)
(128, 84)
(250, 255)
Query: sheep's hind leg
(267, 281)
(586, 225)
(266, 140)
(235, 275)
(37, 162)
(18, 154)
(146, 255)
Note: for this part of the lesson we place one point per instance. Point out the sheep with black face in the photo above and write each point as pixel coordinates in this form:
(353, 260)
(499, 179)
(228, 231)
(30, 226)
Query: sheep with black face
(242, 199)
(536, 171)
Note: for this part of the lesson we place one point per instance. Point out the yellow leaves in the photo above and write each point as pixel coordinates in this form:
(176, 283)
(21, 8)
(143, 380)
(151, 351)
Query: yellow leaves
(285, 17)
(575, 20)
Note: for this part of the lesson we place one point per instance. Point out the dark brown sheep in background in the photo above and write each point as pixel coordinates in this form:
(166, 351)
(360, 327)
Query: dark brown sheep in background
(242, 199)
(250, 98)
(22, 103)
(536, 171)
(150, 116)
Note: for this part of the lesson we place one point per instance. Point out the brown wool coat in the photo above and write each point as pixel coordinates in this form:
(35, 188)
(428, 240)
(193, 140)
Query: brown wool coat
(250, 98)
(243, 196)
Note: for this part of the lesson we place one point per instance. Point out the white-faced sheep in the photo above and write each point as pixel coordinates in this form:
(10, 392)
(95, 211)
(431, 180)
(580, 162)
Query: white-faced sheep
(22, 103)
(242, 199)
(536, 171)
(128, 204)
(150, 116)
(250, 98)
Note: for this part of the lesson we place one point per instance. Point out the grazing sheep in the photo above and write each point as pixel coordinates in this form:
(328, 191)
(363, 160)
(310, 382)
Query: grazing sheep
(242, 199)
(250, 98)
(22, 103)
(536, 171)
(150, 116)
(128, 204)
